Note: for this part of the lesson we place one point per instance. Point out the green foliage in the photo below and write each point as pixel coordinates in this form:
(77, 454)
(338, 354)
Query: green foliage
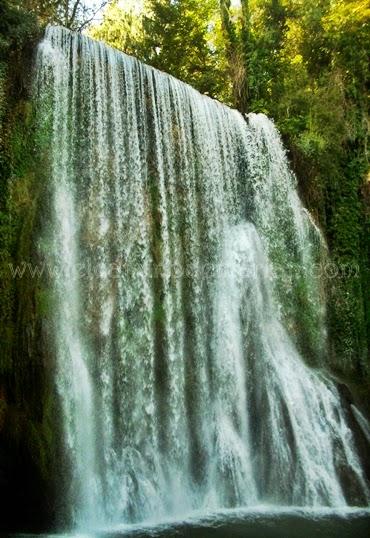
(179, 37)
(17, 31)
(73, 14)
(28, 433)
(315, 89)
(121, 27)
(17, 28)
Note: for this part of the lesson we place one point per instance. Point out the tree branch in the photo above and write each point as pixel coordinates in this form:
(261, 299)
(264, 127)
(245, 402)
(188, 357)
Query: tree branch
(74, 12)
(87, 22)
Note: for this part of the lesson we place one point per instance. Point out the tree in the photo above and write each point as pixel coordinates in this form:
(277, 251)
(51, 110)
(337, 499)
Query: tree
(235, 54)
(73, 14)
(122, 27)
(180, 37)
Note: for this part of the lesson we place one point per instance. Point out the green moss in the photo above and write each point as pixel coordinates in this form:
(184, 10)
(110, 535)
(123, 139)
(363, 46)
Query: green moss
(328, 154)
(28, 402)
(44, 301)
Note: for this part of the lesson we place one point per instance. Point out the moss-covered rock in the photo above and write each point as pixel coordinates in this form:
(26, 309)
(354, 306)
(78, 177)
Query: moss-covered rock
(31, 460)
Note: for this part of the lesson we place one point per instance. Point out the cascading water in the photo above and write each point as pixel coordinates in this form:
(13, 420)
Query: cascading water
(187, 293)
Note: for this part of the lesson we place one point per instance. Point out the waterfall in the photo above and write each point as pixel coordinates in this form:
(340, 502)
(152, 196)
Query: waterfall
(189, 320)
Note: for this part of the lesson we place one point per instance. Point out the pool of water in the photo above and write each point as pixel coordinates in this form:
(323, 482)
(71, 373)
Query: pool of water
(243, 523)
